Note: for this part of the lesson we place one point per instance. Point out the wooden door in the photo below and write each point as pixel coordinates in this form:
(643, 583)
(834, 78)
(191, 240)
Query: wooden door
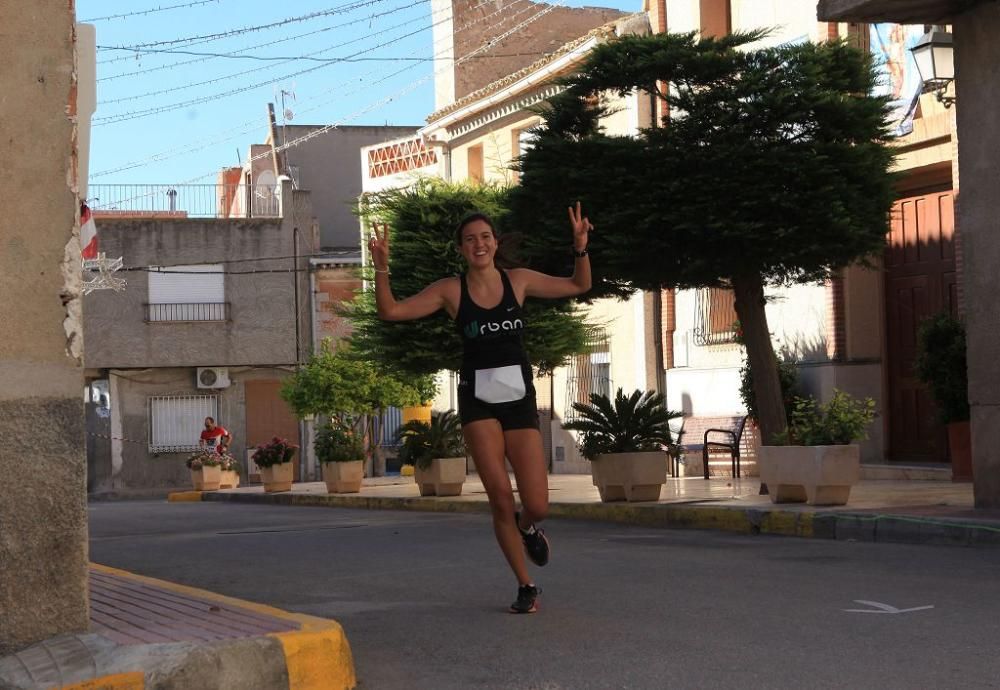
(269, 416)
(920, 281)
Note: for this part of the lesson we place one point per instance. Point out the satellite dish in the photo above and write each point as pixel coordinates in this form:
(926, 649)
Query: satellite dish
(289, 115)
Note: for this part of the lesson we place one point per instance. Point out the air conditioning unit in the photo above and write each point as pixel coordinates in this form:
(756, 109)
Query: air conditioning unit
(213, 377)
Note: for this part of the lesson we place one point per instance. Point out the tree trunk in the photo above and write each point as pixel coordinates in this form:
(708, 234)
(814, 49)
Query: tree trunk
(748, 289)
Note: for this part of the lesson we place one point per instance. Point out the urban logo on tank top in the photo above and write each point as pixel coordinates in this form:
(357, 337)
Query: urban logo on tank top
(475, 330)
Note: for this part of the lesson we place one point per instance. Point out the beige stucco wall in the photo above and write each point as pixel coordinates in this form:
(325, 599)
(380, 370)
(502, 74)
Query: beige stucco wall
(977, 52)
(43, 538)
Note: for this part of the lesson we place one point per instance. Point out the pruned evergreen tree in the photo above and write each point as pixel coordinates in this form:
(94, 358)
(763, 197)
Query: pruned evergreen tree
(773, 168)
(422, 221)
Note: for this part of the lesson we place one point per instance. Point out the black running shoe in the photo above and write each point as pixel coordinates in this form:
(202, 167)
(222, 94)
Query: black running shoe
(527, 596)
(535, 543)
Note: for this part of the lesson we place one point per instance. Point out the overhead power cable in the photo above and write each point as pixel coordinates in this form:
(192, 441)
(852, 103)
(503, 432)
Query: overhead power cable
(133, 115)
(237, 53)
(326, 61)
(256, 125)
(152, 10)
(340, 9)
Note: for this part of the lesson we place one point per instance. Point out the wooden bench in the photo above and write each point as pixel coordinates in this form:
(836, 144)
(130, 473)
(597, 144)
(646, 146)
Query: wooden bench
(712, 434)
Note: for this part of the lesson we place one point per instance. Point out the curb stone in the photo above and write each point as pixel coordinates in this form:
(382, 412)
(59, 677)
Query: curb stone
(752, 520)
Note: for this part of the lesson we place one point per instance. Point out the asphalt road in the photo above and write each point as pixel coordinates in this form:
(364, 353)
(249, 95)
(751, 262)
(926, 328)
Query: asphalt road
(423, 599)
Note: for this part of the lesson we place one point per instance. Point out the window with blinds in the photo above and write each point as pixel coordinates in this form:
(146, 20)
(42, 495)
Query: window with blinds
(187, 293)
(589, 372)
(176, 421)
(715, 317)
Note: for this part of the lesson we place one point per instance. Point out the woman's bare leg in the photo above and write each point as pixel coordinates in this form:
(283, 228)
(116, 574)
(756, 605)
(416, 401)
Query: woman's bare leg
(527, 458)
(485, 440)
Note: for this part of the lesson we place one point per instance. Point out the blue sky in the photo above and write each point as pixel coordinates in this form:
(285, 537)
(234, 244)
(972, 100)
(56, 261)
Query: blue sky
(170, 123)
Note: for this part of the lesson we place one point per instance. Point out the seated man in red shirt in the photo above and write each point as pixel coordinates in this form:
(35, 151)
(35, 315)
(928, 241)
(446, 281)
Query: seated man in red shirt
(214, 436)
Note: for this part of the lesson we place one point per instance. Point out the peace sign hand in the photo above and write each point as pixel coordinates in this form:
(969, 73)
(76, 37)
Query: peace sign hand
(581, 227)
(378, 246)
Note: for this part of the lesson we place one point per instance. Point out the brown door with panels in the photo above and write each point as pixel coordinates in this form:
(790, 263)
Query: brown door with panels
(269, 416)
(920, 281)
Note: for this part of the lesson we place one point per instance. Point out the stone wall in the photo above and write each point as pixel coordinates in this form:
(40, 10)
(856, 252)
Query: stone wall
(43, 519)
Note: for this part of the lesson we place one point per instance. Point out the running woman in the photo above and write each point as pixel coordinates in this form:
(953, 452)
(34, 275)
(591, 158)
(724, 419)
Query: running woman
(496, 398)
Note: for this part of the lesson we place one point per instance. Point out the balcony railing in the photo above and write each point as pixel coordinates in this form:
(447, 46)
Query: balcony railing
(184, 201)
(201, 311)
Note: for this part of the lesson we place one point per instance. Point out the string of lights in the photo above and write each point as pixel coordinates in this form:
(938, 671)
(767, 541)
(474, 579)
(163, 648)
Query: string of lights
(339, 9)
(237, 54)
(287, 60)
(132, 115)
(153, 10)
(256, 124)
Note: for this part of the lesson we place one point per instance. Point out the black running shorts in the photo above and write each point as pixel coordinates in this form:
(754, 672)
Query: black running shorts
(519, 414)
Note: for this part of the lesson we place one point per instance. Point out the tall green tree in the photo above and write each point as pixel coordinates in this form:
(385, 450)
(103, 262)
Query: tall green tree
(772, 169)
(341, 383)
(422, 221)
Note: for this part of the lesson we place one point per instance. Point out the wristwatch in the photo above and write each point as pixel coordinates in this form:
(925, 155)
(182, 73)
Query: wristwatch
(579, 254)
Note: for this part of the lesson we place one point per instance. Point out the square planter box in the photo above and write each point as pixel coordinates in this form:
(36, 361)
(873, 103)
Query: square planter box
(230, 479)
(444, 477)
(629, 476)
(277, 477)
(818, 475)
(207, 478)
(343, 477)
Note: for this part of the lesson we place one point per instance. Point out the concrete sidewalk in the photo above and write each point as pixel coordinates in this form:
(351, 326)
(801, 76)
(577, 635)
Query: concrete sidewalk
(147, 633)
(907, 511)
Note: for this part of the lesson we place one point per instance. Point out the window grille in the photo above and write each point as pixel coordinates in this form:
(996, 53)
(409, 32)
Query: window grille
(589, 372)
(715, 317)
(176, 421)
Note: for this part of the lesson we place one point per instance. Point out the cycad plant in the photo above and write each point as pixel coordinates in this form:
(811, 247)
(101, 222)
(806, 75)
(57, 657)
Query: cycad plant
(422, 442)
(632, 423)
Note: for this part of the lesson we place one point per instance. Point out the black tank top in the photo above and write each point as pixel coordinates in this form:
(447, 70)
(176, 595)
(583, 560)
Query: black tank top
(491, 337)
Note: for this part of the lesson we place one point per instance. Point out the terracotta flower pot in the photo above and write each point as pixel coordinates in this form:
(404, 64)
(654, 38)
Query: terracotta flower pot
(343, 477)
(818, 475)
(277, 477)
(206, 478)
(960, 450)
(444, 477)
(629, 476)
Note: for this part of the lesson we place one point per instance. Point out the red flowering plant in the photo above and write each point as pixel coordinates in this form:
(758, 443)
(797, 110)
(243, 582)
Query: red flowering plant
(276, 452)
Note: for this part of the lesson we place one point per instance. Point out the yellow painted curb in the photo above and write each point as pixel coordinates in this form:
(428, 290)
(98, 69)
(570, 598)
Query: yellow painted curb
(318, 655)
(318, 660)
(184, 496)
(119, 681)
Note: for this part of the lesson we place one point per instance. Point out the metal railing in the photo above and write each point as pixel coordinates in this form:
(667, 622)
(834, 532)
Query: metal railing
(184, 201)
(715, 317)
(200, 311)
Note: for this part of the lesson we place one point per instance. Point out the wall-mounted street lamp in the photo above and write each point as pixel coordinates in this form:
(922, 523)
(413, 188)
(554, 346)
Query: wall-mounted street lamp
(935, 58)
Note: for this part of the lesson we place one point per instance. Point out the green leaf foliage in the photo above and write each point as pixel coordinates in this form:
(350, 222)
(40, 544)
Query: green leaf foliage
(774, 161)
(941, 365)
(337, 442)
(788, 378)
(420, 442)
(423, 220)
(631, 423)
(342, 383)
(840, 421)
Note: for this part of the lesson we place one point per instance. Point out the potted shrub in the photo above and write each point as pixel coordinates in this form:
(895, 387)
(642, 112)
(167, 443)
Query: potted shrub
(817, 460)
(206, 470)
(342, 455)
(627, 442)
(941, 365)
(437, 452)
(275, 462)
